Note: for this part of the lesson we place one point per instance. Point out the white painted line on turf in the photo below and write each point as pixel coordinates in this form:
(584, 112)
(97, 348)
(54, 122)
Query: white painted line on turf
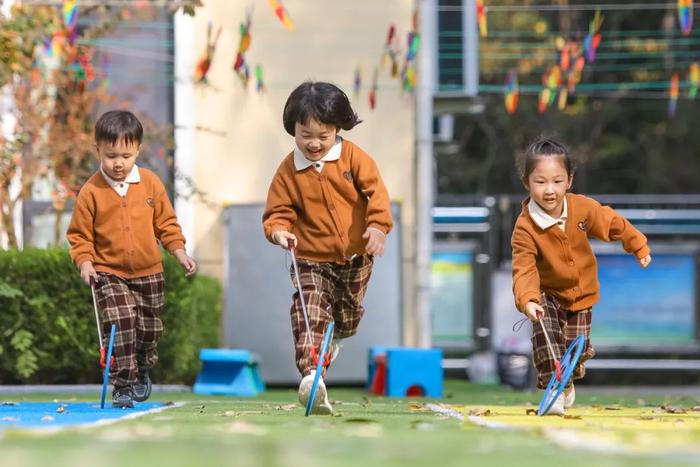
(50, 430)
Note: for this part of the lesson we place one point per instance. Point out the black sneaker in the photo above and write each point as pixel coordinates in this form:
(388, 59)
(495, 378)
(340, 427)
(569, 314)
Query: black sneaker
(142, 389)
(123, 397)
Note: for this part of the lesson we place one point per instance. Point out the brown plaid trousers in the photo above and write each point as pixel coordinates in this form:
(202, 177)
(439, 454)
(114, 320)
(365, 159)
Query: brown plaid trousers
(134, 305)
(331, 292)
(562, 326)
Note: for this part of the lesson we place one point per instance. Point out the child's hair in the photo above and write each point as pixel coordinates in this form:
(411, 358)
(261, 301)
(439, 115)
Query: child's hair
(118, 125)
(544, 147)
(320, 101)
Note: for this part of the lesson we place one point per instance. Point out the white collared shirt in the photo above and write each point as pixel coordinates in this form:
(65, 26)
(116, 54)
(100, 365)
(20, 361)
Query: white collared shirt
(121, 187)
(301, 162)
(544, 220)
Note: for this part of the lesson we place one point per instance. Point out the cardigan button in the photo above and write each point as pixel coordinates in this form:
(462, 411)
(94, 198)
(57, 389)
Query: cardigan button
(571, 263)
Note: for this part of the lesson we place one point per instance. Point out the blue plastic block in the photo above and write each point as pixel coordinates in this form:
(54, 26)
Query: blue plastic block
(407, 367)
(228, 372)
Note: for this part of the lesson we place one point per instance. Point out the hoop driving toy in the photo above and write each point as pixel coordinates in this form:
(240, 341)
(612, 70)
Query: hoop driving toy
(564, 370)
(319, 362)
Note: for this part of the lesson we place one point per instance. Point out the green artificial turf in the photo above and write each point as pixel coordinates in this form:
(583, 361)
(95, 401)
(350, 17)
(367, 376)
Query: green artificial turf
(271, 430)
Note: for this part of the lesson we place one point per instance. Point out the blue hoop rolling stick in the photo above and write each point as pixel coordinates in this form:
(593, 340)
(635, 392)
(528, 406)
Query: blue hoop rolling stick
(568, 364)
(319, 367)
(105, 379)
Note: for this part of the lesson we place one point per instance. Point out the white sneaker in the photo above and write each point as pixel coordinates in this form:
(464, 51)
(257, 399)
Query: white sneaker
(321, 404)
(558, 406)
(570, 397)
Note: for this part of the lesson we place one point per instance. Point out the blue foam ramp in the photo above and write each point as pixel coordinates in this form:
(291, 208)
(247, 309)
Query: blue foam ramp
(228, 372)
(48, 415)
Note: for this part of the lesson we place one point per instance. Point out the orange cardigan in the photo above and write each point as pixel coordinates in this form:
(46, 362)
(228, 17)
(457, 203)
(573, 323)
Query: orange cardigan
(119, 234)
(329, 211)
(562, 263)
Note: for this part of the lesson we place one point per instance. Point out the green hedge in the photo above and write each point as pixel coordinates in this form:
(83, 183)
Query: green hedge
(47, 323)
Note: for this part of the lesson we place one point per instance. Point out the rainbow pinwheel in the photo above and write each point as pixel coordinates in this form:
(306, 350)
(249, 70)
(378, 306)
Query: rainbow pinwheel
(204, 62)
(592, 39)
(408, 73)
(240, 66)
(259, 83)
(373, 91)
(70, 19)
(673, 95)
(685, 16)
(390, 52)
(481, 18)
(694, 78)
(511, 91)
(551, 80)
(282, 14)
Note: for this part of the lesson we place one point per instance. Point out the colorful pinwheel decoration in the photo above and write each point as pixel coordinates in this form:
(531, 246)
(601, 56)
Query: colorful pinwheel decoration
(282, 14)
(390, 52)
(551, 80)
(203, 64)
(694, 78)
(373, 90)
(673, 95)
(408, 73)
(357, 81)
(592, 39)
(481, 18)
(259, 83)
(511, 91)
(685, 16)
(240, 66)
(70, 19)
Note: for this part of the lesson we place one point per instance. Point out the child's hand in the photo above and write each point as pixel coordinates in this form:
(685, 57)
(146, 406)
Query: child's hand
(282, 237)
(88, 273)
(186, 262)
(533, 311)
(375, 241)
(646, 261)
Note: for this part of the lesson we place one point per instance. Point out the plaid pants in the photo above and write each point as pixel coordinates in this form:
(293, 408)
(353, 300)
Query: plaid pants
(134, 305)
(332, 292)
(562, 326)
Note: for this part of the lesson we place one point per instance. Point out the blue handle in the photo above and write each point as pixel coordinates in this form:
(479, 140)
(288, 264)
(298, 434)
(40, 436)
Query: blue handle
(105, 379)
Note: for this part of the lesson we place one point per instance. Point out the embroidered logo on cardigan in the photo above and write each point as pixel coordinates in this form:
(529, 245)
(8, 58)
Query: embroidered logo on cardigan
(150, 202)
(583, 225)
(348, 176)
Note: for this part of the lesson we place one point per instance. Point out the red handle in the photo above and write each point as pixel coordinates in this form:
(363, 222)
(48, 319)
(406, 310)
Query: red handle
(103, 358)
(290, 244)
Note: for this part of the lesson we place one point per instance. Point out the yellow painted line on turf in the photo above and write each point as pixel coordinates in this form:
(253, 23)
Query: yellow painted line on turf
(648, 430)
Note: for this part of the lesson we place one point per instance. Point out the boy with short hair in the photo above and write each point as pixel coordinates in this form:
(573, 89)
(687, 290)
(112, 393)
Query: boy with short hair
(120, 214)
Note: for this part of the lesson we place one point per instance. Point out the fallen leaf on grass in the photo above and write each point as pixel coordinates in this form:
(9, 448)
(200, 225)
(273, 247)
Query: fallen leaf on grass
(373, 430)
(479, 412)
(9, 403)
(359, 420)
(47, 418)
(231, 413)
(696, 408)
(246, 428)
(286, 407)
(168, 403)
(10, 419)
(418, 407)
(612, 408)
(422, 425)
(672, 409)
(61, 409)
(572, 417)
(530, 411)
(365, 402)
